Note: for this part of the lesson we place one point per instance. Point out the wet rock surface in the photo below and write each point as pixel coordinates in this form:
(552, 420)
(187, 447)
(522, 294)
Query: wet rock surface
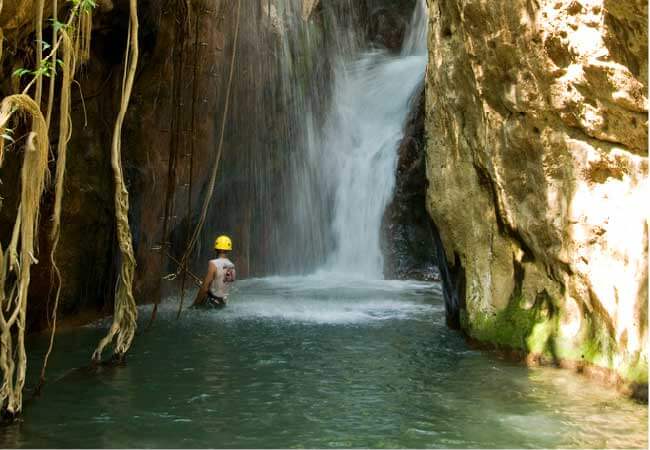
(408, 242)
(386, 28)
(387, 22)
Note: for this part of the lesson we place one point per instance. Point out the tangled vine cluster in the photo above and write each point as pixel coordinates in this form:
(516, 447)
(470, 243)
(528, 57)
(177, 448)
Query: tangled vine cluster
(25, 110)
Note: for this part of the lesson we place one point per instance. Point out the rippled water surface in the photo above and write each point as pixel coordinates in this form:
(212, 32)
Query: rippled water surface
(315, 362)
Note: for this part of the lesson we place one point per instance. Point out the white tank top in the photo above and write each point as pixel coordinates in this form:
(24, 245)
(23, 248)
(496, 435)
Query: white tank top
(219, 287)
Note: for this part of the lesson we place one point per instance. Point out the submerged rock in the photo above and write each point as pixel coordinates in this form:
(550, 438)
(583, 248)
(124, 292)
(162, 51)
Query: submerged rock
(537, 163)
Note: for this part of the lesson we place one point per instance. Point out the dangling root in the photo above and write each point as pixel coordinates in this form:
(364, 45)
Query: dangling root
(65, 133)
(40, 4)
(82, 39)
(16, 260)
(50, 97)
(19, 255)
(125, 314)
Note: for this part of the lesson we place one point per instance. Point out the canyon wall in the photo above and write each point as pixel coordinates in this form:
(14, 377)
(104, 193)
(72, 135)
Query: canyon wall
(170, 140)
(536, 122)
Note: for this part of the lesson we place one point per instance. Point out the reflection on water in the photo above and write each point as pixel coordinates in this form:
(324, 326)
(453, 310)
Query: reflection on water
(316, 362)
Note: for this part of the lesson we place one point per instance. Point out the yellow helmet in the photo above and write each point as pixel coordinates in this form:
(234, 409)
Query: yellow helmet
(223, 243)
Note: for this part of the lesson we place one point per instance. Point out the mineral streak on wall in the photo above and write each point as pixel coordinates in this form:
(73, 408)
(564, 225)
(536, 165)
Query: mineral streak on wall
(537, 163)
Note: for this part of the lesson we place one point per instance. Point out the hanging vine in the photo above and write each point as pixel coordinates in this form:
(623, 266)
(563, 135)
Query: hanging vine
(182, 267)
(16, 259)
(125, 311)
(65, 133)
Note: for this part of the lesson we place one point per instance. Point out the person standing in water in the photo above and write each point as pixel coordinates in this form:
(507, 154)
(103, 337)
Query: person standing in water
(220, 277)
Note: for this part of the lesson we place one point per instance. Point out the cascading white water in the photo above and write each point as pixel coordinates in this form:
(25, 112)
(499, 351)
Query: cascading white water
(415, 42)
(310, 147)
(365, 125)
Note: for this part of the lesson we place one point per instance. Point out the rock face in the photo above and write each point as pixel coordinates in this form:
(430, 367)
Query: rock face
(171, 136)
(537, 163)
(408, 242)
(387, 22)
(170, 141)
(386, 28)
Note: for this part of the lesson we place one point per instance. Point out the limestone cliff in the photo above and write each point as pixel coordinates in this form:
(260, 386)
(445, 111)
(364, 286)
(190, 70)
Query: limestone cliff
(537, 163)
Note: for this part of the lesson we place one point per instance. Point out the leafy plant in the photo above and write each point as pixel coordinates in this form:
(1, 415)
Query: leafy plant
(85, 5)
(22, 71)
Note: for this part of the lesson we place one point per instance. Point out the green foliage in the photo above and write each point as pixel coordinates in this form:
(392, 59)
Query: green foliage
(59, 25)
(84, 5)
(45, 69)
(46, 46)
(22, 71)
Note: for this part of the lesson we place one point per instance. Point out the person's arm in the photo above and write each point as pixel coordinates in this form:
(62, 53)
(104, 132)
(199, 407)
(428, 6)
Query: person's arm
(203, 291)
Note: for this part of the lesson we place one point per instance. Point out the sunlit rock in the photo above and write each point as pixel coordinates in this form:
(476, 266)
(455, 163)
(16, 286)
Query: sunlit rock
(537, 164)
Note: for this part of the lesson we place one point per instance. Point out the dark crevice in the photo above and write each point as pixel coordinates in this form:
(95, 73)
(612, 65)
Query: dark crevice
(453, 280)
(504, 229)
(519, 274)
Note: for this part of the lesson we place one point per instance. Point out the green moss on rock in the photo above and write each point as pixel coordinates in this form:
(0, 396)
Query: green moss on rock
(537, 330)
(515, 327)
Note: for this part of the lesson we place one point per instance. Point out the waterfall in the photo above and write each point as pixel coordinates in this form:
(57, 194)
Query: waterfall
(415, 42)
(358, 154)
(310, 148)
(268, 194)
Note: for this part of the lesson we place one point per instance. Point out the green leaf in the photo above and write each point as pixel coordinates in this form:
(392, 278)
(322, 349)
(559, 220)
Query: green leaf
(86, 5)
(45, 45)
(58, 25)
(21, 72)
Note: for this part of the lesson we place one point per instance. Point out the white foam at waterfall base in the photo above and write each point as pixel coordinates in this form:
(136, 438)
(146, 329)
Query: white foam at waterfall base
(332, 311)
(359, 150)
(314, 300)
